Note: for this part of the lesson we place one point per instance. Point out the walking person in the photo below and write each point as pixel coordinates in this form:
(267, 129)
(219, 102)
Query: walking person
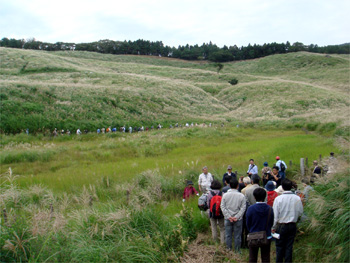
(215, 213)
(260, 217)
(282, 167)
(204, 180)
(287, 209)
(233, 206)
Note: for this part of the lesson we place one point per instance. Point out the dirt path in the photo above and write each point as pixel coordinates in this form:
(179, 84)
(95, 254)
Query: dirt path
(203, 250)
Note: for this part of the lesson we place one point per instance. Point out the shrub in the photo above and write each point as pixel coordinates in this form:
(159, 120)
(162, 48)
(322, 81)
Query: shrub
(312, 126)
(233, 81)
(328, 223)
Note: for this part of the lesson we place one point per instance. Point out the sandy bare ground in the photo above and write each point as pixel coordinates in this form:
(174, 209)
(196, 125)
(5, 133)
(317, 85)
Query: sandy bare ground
(202, 250)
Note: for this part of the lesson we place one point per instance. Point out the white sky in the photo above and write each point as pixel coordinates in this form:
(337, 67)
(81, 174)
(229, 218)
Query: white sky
(224, 22)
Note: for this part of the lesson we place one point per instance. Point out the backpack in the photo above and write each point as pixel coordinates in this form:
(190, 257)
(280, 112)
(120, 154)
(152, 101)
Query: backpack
(282, 166)
(202, 202)
(215, 210)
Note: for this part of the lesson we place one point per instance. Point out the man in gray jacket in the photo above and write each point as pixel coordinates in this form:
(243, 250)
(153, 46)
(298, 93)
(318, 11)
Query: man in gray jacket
(233, 206)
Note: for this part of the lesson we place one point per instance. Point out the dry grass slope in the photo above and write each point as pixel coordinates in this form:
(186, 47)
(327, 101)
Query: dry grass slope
(90, 89)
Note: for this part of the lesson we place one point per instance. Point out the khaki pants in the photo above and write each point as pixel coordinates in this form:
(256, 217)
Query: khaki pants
(214, 230)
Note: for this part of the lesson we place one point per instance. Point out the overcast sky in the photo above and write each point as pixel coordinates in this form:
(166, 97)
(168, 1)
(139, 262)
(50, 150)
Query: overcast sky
(178, 22)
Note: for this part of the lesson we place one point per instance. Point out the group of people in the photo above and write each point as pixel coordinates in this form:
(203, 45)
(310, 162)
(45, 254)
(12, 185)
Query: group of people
(253, 203)
(124, 129)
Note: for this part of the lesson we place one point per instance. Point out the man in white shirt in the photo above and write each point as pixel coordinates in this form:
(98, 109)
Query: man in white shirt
(252, 168)
(282, 167)
(287, 209)
(204, 180)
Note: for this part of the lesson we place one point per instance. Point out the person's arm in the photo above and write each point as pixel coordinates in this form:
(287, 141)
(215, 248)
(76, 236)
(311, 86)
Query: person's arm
(242, 208)
(275, 215)
(285, 164)
(184, 195)
(224, 209)
(255, 170)
(199, 183)
(300, 207)
(248, 219)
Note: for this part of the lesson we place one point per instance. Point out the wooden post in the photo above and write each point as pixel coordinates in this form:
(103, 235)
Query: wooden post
(51, 211)
(5, 215)
(302, 167)
(127, 196)
(320, 157)
(306, 162)
(236, 173)
(90, 201)
(290, 163)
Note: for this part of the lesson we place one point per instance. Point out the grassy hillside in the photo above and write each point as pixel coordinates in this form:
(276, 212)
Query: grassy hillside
(42, 90)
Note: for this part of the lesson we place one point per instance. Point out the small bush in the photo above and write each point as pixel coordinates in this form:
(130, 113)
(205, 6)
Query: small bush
(312, 126)
(233, 81)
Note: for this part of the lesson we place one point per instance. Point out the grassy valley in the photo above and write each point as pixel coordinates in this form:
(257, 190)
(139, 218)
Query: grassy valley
(117, 197)
(43, 90)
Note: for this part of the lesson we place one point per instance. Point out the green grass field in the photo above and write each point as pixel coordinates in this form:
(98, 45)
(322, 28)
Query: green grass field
(69, 162)
(118, 196)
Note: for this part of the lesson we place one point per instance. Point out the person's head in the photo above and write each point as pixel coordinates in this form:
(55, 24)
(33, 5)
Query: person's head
(251, 161)
(277, 158)
(227, 180)
(275, 170)
(229, 169)
(189, 183)
(205, 170)
(332, 154)
(305, 181)
(234, 183)
(255, 179)
(246, 180)
(315, 163)
(287, 184)
(266, 164)
(259, 194)
(270, 186)
(294, 185)
(215, 185)
(240, 179)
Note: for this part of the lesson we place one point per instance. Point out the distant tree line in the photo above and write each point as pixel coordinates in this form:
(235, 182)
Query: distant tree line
(207, 51)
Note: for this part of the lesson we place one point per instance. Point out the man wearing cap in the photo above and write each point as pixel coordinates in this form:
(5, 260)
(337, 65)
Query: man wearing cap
(229, 173)
(265, 173)
(189, 191)
(282, 167)
(204, 180)
(271, 193)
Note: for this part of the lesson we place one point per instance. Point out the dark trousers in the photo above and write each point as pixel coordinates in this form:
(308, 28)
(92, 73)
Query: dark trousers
(284, 245)
(245, 233)
(265, 253)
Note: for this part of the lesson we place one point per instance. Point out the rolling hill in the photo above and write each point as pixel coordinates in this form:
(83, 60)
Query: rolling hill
(43, 90)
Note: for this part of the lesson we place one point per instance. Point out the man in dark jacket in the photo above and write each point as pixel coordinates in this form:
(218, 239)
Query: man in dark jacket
(229, 174)
(260, 218)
